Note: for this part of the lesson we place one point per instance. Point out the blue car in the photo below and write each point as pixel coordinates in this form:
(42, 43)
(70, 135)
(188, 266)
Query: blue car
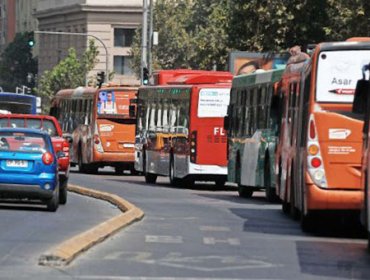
(28, 166)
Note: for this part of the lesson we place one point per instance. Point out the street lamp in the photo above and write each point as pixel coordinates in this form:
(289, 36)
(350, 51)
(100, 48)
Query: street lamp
(80, 34)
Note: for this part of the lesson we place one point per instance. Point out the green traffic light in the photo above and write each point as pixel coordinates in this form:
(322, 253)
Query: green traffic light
(31, 43)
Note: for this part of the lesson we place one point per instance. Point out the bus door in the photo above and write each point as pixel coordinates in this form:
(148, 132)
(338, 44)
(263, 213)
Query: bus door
(207, 130)
(115, 124)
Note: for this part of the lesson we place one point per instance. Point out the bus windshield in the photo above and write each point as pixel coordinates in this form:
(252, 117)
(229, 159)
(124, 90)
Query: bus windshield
(337, 74)
(113, 103)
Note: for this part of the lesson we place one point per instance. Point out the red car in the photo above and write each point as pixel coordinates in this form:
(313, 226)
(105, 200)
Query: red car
(60, 144)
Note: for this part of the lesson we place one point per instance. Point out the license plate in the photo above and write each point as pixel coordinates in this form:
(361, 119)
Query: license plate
(17, 163)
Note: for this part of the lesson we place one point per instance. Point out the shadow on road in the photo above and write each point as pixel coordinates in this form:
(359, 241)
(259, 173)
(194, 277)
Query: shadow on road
(21, 205)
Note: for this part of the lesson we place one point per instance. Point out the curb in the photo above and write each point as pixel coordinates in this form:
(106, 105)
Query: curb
(65, 252)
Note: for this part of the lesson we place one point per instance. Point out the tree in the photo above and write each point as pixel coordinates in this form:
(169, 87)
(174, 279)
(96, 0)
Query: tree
(199, 34)
(70, 72)
(348, 18)
(16, 62)
(192, 34)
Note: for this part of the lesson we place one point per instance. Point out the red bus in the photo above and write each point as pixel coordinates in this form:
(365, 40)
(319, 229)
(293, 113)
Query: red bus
(318, 159)
(101, 123)
(179, 130)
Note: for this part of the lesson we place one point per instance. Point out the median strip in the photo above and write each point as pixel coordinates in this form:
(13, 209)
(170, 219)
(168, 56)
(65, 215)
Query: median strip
(65, 252)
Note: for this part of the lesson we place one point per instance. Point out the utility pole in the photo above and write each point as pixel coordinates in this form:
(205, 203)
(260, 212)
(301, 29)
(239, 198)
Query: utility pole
(150, 38)
(144, 46)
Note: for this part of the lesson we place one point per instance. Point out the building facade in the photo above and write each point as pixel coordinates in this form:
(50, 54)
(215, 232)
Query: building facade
(25, 20)
(112, 22)
(7, 22)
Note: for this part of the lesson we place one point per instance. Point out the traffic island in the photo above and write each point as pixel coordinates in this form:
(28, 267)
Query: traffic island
(65, 252)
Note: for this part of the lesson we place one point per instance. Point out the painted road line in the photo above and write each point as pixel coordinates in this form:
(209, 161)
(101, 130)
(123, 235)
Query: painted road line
(65, 252)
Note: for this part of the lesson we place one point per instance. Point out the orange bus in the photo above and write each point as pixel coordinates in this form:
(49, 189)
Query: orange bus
(101, 123)
(179, 130)
(318, 158)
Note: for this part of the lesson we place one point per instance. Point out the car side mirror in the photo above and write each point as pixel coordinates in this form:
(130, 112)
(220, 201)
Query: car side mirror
(69, 139)
(226, 123)
(132, 111)
(60, 154)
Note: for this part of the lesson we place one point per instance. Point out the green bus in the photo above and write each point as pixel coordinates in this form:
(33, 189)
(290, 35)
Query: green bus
(252, 125)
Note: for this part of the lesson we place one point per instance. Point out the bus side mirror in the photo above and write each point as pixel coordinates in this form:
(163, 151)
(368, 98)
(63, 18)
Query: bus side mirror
(132, 111)
(69, 139)
(226, 123)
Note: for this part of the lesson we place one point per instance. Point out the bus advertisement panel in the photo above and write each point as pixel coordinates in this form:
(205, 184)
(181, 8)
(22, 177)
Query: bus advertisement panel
(321, 133)
(180, 127)
(17, 103)
(101, 123)
(252, 126)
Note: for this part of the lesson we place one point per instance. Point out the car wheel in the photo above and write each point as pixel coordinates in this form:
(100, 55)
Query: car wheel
(53, 203)
(63, 190)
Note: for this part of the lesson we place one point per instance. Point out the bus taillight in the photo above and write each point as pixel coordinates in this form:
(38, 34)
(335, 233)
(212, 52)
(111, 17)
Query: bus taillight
(312, 129)
(316, 162)
(193, 146)
(315, 165)
(66, 148)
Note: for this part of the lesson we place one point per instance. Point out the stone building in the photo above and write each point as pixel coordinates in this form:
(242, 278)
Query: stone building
(113, 22)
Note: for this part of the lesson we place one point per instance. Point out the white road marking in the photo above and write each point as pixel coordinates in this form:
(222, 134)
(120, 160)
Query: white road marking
(163, 239)
(107, 277)
(212, 228)
(214, 241)
(210, 263)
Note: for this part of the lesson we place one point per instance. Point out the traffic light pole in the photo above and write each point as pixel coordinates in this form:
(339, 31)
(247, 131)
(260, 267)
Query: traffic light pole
(81, 34)
(144, 46)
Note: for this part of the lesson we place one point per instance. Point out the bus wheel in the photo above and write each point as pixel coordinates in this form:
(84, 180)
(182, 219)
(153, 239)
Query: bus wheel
(293, 209)
(245, 192)
(270, 191)
(307, 224)
(119, 170)
(91, 168)
(285, 206)
(81, 166)
(173, 180)
(220, 182)
(150, 178)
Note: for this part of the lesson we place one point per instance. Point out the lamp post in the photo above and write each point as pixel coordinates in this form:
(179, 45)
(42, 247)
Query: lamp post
(80, 34)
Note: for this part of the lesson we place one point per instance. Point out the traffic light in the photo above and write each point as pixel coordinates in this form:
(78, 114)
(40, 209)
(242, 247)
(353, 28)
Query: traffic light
(100, 78)
(30, 39)
(145, 76)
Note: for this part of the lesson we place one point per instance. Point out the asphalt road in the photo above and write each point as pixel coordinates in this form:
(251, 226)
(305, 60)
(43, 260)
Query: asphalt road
(198, 233)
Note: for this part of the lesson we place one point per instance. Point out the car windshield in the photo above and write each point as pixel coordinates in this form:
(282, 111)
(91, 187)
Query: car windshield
(22, 142)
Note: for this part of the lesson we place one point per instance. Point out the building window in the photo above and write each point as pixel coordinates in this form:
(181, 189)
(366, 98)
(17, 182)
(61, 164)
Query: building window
(123, 37)
(122, 65)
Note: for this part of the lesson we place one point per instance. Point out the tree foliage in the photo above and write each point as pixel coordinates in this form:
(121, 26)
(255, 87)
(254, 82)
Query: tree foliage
(16, 62)
(199, 34)
(70, 72)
